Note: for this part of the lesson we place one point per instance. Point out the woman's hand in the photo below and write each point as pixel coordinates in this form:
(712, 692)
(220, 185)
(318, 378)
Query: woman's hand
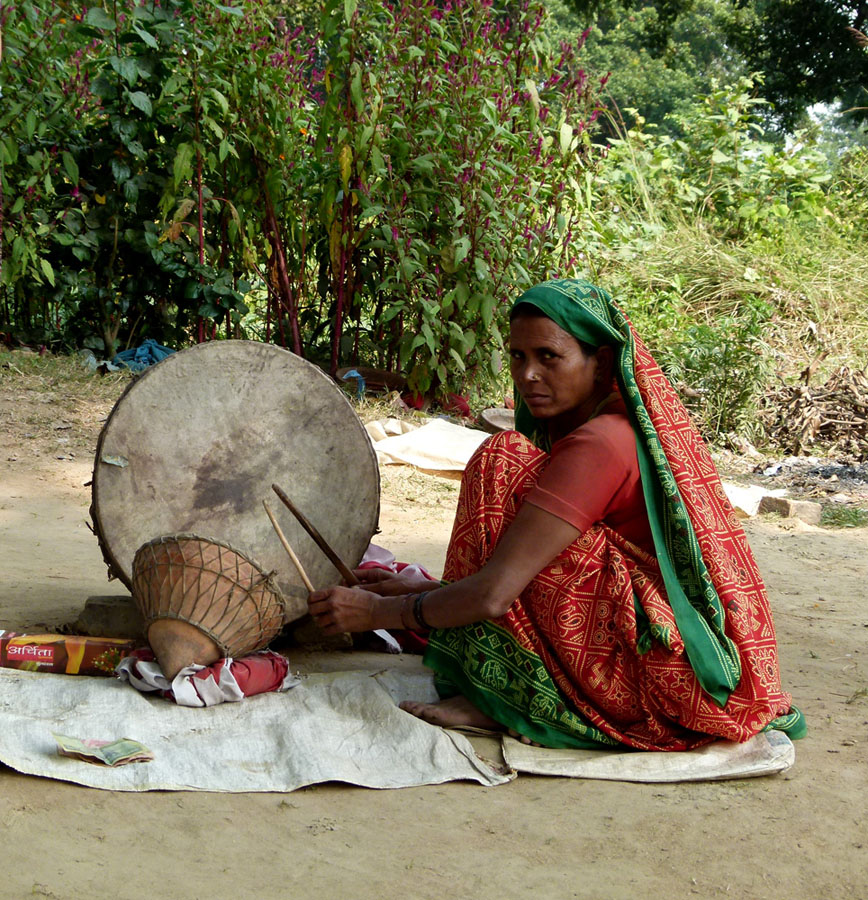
(391, 584)
(340, 609)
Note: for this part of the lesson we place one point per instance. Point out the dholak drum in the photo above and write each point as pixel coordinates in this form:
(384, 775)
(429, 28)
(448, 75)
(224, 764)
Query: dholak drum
(195, 443)
(202, 600)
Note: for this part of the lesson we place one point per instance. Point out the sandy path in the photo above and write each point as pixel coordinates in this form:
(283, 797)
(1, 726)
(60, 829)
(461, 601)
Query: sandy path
(803, 834)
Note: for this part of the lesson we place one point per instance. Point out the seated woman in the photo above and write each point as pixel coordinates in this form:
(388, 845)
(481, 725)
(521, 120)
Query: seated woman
(600, 589)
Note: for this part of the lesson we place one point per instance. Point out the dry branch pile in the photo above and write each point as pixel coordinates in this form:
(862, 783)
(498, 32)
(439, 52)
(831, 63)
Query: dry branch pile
(832, 416)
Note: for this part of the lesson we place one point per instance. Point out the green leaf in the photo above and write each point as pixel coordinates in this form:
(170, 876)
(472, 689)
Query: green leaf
(391, 312)
(146, 36)
(99, 18)
(718, 157)
(71, 166)
(429, 336)
(378, 164)
(182, 168)
(364, 139)
(371, 211)
(356, 91)
(496, 362)
(534, 94)
(224, 103)
(30, 124)
(487, 310)
(462, 292)
(172, 85)
(141, 101)
(126, 67)
(236, 11)
(566, 138)
(9, 151)
(120, 170)
(462, 248)
(424, 163)
(207, 120)
(47, 270)
(349, 9)
(345, 161)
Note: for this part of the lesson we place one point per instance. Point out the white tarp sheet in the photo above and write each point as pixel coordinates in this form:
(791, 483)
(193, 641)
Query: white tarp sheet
(337, 726)
(767, 753)
(341, 726)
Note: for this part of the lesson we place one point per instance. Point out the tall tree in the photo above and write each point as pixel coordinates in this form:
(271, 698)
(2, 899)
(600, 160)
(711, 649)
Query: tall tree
(807, 51)
(657, 79)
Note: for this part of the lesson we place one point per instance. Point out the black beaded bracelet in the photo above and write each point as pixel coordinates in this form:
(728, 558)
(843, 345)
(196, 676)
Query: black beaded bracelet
(417, 610)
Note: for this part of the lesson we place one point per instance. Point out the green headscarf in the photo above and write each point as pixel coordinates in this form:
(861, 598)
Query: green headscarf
(589, 314)
(582, 310)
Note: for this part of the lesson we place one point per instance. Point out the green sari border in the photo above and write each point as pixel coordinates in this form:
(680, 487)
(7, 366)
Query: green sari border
(484, 663)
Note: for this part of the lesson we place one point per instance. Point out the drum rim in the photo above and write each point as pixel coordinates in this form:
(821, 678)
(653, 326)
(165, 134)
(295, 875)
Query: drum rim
(178, 536)
(115, 569)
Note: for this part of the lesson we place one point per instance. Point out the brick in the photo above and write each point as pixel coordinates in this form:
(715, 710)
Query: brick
(806, 510)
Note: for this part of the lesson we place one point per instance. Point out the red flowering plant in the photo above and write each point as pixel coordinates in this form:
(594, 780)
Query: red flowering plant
(458, 140)
(371, 187)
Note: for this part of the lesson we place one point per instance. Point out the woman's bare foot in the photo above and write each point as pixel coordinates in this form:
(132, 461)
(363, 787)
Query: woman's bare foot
(458, 712)
(520, 737)
(452, 713)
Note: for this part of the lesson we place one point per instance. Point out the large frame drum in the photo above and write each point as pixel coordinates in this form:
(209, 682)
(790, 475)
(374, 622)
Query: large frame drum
(195, 443)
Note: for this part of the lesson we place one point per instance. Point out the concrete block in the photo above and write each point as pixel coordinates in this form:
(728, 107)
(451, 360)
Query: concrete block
(806, 510)
(110, 616)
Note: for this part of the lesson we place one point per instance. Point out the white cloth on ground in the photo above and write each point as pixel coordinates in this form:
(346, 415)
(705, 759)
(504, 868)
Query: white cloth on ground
(343, 726)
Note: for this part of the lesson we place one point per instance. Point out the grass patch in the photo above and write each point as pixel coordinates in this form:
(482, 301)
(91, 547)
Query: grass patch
(835, 516)
(48, 373)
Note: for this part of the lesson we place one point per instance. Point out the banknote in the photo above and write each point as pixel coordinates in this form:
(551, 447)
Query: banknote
(106, 753)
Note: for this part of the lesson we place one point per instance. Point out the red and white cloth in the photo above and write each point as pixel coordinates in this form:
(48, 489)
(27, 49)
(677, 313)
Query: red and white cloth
(397, 640)
(227, 680)
(379, 558)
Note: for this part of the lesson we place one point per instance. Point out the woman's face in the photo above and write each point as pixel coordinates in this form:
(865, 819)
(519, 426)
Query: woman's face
(553, 374)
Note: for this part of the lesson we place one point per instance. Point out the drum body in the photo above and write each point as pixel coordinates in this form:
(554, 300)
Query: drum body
(210, 585)
(195, 443)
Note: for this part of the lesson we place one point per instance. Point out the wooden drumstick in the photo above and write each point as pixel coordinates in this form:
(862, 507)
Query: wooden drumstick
(339, 564)
(305, 580)
(320, 541)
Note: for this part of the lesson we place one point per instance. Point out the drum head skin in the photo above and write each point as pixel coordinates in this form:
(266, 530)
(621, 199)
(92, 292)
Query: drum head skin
(195, 443)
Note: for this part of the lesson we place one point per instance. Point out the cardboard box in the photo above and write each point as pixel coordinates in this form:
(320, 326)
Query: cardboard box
(62, 653)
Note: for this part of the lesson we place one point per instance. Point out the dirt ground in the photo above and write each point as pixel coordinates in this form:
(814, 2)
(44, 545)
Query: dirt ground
(802, 834)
